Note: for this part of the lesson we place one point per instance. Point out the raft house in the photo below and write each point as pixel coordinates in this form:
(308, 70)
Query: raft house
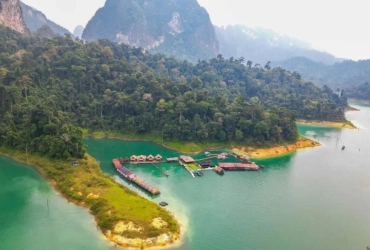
(207, 164)
(239, 166)
(128, 175)
(150, 158)
(173, 159)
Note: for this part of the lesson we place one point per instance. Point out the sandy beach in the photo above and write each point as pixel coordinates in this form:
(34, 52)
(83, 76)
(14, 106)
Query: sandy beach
(278, 150)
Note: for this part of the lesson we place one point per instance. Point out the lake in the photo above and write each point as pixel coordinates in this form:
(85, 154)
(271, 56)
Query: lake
(316, 198)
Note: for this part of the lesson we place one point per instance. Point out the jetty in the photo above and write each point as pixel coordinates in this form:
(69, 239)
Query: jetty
(161, 170)
(128, 175)
(239, 166)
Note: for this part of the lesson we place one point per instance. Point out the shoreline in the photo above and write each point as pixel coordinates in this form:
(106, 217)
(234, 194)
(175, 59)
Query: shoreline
(166, 239)
(260, 153)
(253, 152)
(345, 124)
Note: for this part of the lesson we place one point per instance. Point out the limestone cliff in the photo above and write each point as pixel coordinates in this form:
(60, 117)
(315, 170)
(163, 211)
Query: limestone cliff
(181, 28)
(11, 16)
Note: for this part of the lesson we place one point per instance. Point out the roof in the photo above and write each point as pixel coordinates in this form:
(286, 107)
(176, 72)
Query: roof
(187, 159)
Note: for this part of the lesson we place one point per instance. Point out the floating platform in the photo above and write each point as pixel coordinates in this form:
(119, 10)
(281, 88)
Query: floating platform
(239, 166)
(219, 170)
(174, 159)
(127, 174)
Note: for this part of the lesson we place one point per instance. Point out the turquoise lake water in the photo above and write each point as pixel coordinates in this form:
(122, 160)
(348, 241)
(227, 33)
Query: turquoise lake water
(316, 198)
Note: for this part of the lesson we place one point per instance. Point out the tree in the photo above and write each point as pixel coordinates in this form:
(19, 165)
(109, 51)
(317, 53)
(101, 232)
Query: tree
(107, 51)
(267, 66)
(180, 107)
(239, 135)
(249, 64)
(25, 82)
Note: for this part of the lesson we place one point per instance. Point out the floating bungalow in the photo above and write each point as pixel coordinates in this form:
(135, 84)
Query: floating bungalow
(133, 158)
(150, 158)
(127, 174)
(187, 159)
(207, 164)
(158, 157)
(124, 160)
(239, 166)
(141, 158)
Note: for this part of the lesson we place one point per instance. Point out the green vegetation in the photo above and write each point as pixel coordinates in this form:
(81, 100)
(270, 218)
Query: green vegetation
(50, 87)
(108, 201)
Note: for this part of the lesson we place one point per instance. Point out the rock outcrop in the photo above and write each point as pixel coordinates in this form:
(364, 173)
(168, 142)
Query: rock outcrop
(11, 16)
(78, 31)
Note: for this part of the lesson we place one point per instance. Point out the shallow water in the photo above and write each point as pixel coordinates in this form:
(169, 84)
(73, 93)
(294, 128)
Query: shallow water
(316, 198)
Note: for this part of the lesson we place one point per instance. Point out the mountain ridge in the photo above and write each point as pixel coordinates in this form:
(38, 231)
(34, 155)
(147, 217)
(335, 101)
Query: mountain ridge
(342, 74)
(179, 28)
(35, 19)
(261, 45)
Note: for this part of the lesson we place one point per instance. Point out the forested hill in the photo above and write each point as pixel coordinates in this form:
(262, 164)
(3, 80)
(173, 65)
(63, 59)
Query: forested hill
(49, 87)
(339, 75)
(359, 91)
(181, 28)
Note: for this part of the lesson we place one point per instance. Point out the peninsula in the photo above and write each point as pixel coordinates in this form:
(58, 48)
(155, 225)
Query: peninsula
(123, 216)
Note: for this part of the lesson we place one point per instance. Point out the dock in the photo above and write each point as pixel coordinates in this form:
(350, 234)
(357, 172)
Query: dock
(187, 168)
(239, 166)
(128, 175)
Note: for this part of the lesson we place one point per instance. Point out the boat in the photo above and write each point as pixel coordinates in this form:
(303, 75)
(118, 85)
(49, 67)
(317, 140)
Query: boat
(208, 154)
(197, 173)
(163, 203)
(343, 147)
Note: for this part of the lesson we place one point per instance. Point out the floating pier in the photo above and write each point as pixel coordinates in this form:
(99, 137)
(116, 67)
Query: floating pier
(127, 174)
(239, 166)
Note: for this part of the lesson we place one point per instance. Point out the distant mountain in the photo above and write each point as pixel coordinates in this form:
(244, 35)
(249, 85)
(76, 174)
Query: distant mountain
(344, 74)
(261, 45)
(36, 19)
(181, 28)
(359, 92)
(78, 31)
(11, 16)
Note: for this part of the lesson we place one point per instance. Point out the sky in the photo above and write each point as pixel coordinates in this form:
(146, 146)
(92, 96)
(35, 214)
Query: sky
(338, 27)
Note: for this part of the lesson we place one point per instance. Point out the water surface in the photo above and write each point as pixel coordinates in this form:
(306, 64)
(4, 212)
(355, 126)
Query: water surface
(317, 198)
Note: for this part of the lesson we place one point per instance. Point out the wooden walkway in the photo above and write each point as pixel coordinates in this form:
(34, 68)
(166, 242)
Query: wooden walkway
(163, 172)
(211, 157)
